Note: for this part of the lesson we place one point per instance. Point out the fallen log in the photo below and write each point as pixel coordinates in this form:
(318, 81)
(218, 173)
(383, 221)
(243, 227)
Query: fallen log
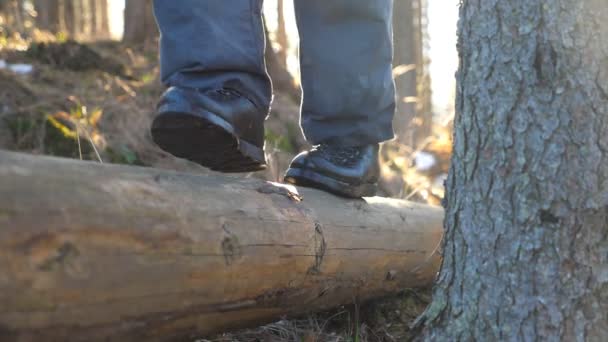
(98, 252)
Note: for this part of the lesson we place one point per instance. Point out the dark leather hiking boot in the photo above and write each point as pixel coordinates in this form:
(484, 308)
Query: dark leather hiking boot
(219, 129)
(345, 171)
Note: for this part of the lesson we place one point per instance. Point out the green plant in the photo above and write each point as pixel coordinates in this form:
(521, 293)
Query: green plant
(279, 142)
(77, 124)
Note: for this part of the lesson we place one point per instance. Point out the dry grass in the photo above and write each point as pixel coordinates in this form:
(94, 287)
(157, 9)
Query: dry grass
(386, 320)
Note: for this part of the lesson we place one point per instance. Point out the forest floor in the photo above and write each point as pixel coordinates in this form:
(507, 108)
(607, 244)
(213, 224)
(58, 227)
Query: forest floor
(95, 101)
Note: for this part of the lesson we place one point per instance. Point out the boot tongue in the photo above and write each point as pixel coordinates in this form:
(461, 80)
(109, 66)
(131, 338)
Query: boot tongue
(340, 155)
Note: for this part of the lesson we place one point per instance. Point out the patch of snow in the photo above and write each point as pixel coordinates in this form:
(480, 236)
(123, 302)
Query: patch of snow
(440, 180)
(21, 69)
(424, 161)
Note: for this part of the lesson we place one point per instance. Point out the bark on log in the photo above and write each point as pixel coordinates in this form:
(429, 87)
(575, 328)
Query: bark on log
(98, 252)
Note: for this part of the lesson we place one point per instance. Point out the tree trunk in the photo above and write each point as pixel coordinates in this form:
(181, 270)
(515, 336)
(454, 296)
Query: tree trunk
(101, 252)
(47, 15)
(70, 18)
(62, 21)
(424, 97)
(139, 22)
(281, 35)
(76, 19)
(99, 19)
(104, 17)
(405, 63)
(85, 19)
(3, 8)
(413, 117)
(526, 246)
(13, 15)
(281, 78)
(4, 17)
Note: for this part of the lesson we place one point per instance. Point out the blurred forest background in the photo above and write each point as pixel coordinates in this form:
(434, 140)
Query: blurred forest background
(80, 79)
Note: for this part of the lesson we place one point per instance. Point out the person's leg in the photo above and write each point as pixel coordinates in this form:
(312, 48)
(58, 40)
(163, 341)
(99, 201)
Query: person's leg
(346, 65)
(213, 43)
(212, 60)
(349, 94)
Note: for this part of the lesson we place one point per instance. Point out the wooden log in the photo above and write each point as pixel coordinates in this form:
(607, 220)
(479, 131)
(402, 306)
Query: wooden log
(98, 252)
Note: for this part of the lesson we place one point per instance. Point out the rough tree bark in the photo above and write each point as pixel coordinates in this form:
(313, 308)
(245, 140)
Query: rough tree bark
(116, 253)
(526, 247)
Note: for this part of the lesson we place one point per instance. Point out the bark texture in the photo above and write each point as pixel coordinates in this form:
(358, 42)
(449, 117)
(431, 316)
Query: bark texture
(526, 247)
(116, 253)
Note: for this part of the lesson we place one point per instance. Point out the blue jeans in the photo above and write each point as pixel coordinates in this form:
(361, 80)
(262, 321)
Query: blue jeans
(345, 56)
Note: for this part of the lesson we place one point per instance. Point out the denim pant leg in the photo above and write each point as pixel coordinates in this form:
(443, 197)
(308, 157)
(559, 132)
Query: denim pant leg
(213, 44)
(346, 65)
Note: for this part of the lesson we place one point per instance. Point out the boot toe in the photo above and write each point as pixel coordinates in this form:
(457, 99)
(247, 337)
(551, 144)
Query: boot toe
(354, 179)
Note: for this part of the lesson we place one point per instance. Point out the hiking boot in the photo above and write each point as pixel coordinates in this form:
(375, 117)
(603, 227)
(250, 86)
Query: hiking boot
(345, 171)
(219, 129)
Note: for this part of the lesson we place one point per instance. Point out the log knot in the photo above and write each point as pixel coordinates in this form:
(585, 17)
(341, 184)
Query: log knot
(391, 275)
(61, 258)
(320, 248)
(231, 248)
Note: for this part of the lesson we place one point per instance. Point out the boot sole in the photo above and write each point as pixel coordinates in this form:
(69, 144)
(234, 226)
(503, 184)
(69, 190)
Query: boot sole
(208, 140)
(312, 179)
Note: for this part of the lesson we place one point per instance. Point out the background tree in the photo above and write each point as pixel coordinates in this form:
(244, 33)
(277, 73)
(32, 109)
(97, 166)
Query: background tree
(139, 21)
(3, 12)
(413, 117)
(47, 15)
(71, 17)
(276, 58)
(79, 19)
(405, 62)
(13, 14)
(282, 38)
(100, 21)
(526, 244)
